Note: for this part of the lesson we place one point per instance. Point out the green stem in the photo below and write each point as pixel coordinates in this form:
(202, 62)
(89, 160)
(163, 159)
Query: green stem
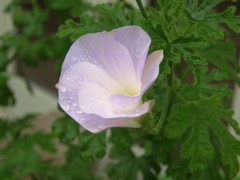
(139, 3)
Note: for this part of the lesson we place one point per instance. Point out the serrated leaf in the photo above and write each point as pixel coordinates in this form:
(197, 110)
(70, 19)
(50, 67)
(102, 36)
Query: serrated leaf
(230, 146)
(112, 13)
(92, 146)
(131, 166)
(6, 95)
(75, 167)
(199, 11)
(225, 58)
(75, 30)
(194, 58)
(193, 62)
(178, 122)
(227, 17)
(121, 139)
(198, 146)
(15, 126)
(189, 41)
(165, 69)
(211, 83)
(65, 128)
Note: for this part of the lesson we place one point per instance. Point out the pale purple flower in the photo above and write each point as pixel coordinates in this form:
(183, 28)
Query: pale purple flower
(104, 77)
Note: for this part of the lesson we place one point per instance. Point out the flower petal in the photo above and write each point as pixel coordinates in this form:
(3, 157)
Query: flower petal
(151, 69)
(95, 124)
(93, 99)
(137, 42)
(75, 78)
(108, 54)
(136, 112)
(124, 101)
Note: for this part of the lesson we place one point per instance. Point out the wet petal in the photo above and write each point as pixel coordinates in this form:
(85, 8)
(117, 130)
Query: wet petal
(104, 76)
(72, 81)
(108, 54)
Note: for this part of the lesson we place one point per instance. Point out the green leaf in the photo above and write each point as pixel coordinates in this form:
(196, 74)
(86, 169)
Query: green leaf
(198, 146)
(210, 83)
(109, 16)
(112, 14)
(178, 122)
(75, 167)
(6, 95)
(15, 126)
(128, 167)
(92, 146)
(23, 151)
(206, 6)
(189, 41)
(121, 138)
(229, 145)
(223, 55)
(65, 128)
(75, 30)
(227, 17)
(193, 61)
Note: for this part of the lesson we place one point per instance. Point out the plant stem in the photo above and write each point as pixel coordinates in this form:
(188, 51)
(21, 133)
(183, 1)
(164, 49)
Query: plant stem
(139, 3)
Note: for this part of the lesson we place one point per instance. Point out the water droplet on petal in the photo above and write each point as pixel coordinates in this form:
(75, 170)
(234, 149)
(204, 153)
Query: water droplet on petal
(65, 107)
(78, 111)
(62, 89)
(74, 104)
(74, 59)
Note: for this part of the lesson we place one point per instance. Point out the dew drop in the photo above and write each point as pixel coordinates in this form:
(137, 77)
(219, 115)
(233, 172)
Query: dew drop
(78, 111)
(65, 107)
(62, 89)
(65, 66)
(74, 104)
(74, 59)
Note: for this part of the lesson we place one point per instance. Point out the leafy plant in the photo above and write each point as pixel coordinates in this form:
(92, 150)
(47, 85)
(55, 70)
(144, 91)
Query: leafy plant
(186, 135)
